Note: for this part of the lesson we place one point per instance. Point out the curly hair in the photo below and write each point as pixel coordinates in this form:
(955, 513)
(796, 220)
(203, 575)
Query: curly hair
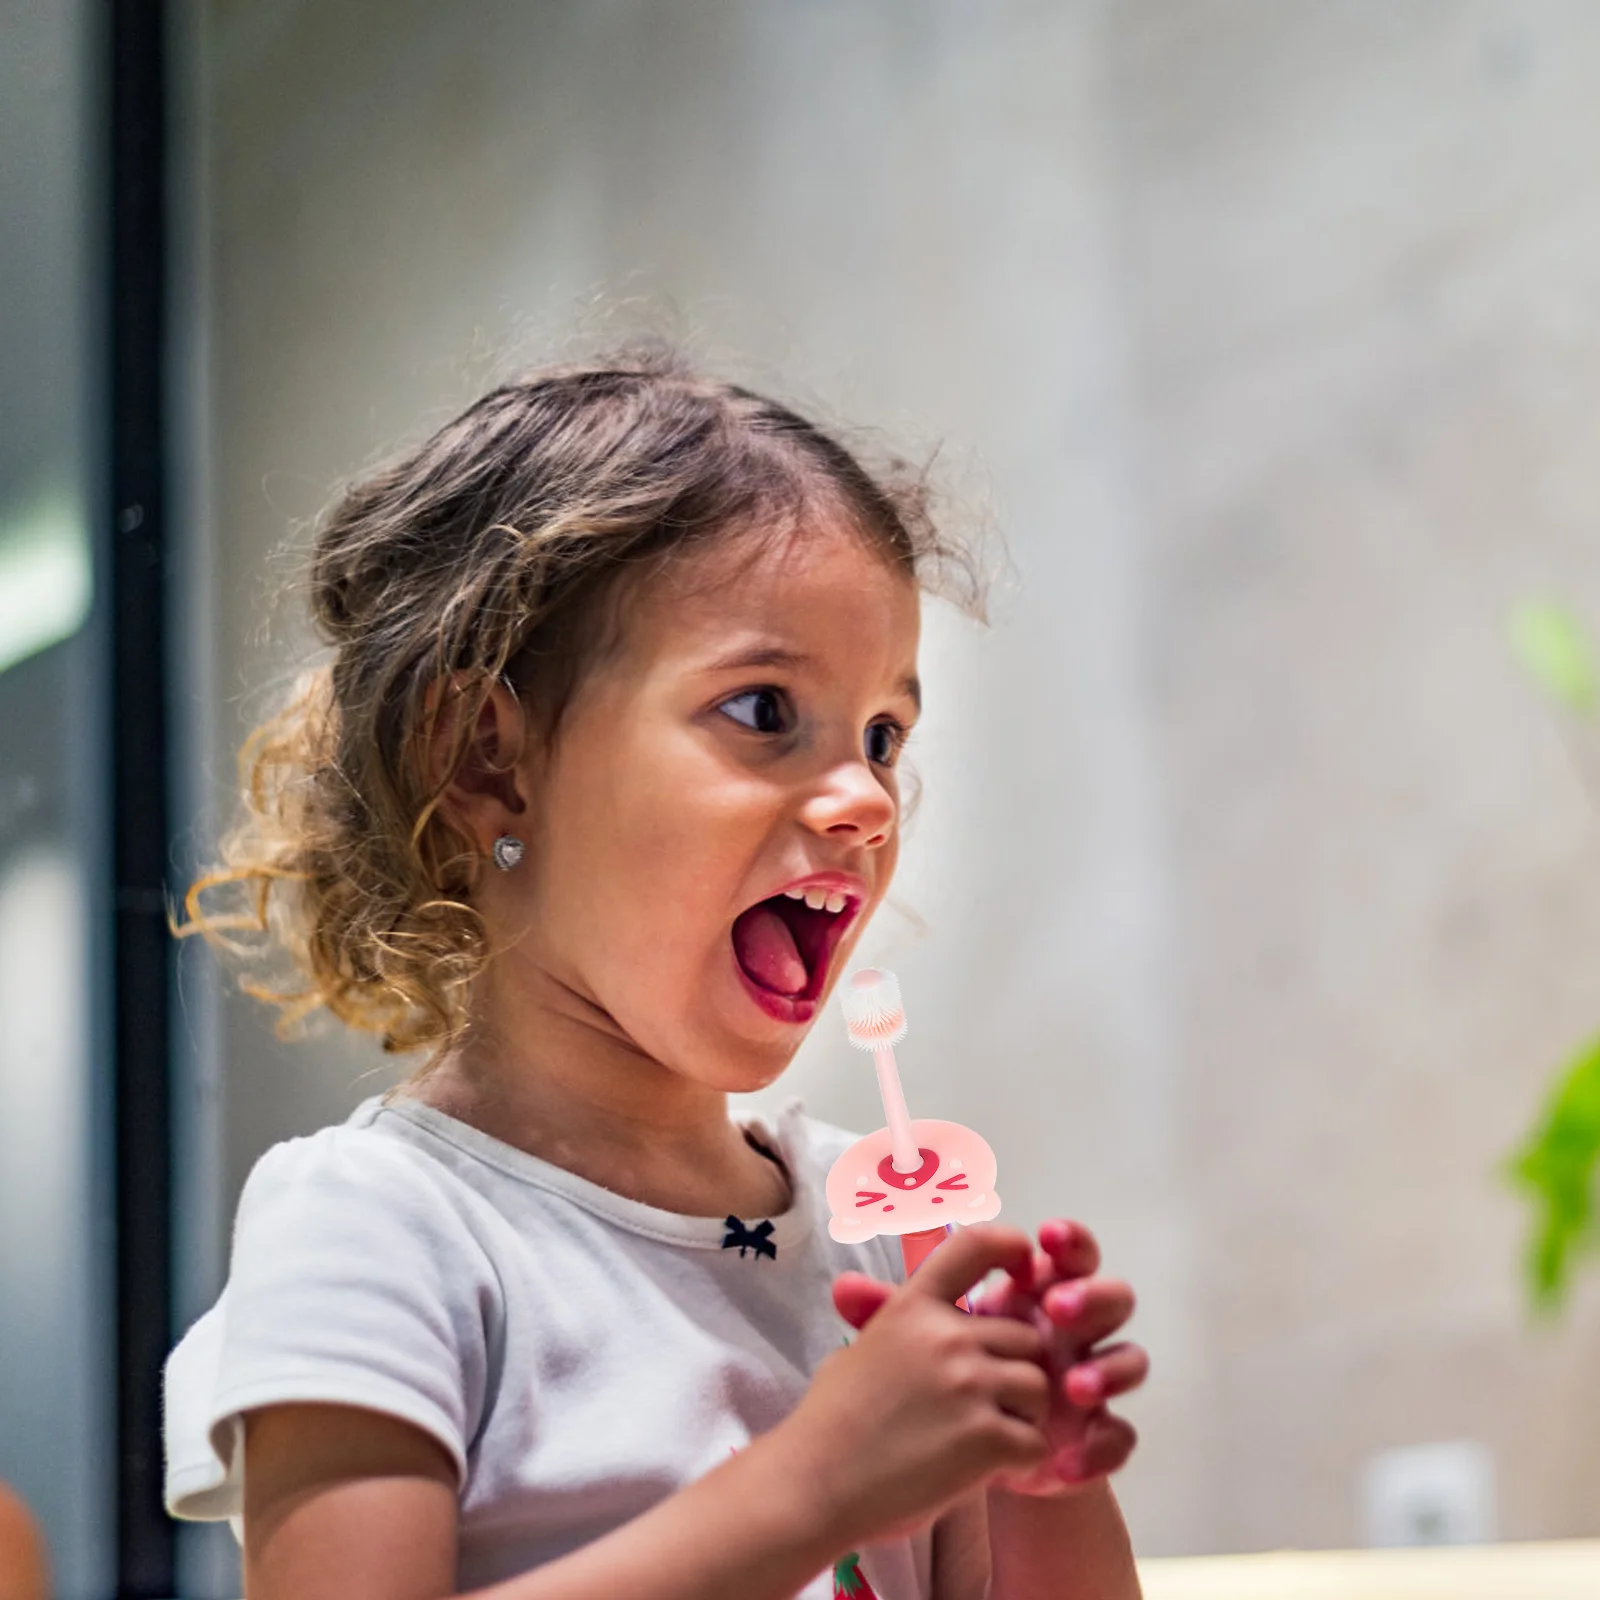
(495, 550)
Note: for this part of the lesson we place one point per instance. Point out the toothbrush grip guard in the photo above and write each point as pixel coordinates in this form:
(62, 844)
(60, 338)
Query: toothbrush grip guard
(954, 1183)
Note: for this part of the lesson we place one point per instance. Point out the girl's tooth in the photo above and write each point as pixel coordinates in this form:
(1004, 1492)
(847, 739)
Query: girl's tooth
(795, 894)
(815, 898)
(835, 903)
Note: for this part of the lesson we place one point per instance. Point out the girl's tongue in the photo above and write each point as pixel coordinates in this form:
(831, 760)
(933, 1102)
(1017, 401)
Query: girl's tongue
(767, 951)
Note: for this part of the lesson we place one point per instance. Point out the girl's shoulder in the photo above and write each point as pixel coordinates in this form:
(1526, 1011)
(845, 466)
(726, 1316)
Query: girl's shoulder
(358, 1275)
(357, 1186)
(359, 1157)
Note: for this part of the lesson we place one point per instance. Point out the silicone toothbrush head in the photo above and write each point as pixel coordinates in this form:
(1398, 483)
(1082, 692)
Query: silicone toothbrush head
(873, 1015)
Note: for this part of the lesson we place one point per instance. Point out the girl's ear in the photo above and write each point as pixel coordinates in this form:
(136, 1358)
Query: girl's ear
(484, 795)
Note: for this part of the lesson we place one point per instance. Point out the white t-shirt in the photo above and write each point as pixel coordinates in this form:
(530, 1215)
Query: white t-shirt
(580, 1355)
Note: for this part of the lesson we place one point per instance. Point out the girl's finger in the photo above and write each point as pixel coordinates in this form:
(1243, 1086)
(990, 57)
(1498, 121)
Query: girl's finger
(1089, 1309)
(1010, 1339)
(1107, 1373)
(1018, 1445)
(961, 1263)
(1030, 1273)
(1071, 1248)
(1004, 1298)
(858, 1298)
(1104, 1449)
(1022, 1389)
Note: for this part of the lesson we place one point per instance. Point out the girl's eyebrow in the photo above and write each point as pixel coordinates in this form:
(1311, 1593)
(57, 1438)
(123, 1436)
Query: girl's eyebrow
(774, 655)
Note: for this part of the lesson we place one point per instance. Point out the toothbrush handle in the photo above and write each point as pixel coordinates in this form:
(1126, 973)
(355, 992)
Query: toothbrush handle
(917, 1247)
(901, 1144)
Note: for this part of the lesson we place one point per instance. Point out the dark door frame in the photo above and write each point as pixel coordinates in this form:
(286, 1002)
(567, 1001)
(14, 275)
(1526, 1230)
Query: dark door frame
(135, 571)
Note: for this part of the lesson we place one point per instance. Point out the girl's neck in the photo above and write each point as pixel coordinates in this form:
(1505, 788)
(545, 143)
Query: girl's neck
(585, 1099)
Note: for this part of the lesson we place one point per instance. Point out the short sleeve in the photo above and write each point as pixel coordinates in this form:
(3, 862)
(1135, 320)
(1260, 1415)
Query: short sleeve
(355, 1279)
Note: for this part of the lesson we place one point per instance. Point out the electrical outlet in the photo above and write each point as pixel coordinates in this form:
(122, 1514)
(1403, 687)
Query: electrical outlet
(1429, 1494)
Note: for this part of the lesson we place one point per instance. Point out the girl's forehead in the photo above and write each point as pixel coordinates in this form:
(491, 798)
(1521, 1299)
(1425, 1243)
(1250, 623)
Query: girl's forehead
(826, 583)
(772, 568)
(800, 575)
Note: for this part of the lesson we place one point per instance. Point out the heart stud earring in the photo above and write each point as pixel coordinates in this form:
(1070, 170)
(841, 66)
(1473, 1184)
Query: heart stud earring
(507, 851)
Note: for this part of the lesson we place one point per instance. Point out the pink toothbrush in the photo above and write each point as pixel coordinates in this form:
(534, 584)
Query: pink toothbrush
(914, 1178)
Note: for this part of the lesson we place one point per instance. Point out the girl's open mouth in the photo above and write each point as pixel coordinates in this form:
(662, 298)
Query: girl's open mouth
(784, 947)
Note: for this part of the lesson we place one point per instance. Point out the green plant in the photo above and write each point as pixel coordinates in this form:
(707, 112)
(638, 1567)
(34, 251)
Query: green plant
(1559, 1161)
(1557, 1165)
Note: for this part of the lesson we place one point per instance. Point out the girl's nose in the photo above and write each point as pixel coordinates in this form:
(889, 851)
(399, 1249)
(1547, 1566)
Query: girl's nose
(852, 803)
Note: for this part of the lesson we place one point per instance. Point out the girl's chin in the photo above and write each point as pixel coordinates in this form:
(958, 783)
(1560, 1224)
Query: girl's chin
(741, 1038)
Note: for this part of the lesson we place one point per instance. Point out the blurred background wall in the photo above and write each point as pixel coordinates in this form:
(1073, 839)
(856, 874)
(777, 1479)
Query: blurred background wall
(57, 1296)
(1252, 896)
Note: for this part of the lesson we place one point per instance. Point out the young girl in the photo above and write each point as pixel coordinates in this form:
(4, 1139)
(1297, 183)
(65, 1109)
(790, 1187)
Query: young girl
(592, 802)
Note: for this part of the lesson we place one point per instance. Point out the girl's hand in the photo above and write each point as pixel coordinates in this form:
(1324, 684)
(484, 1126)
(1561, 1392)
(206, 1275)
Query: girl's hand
(928, 1403)
(1074, 1312)
(1055, 1293)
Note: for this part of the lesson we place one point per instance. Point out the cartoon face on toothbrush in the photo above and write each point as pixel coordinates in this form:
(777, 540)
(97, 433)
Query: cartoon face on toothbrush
(910, 1176)
(952, 1182)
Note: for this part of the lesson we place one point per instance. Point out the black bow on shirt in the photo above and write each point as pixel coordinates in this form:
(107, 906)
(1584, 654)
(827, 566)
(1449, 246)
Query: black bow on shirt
(756, 1238)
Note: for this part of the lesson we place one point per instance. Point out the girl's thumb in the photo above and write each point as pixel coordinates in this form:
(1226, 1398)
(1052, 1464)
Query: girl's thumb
(857, 1298)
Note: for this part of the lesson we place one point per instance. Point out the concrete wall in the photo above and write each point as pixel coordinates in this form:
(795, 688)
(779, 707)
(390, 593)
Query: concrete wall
(1252, 895)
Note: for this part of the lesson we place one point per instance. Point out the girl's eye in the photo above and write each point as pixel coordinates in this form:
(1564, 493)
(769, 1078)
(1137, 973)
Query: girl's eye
(883, 742)
(763, 710)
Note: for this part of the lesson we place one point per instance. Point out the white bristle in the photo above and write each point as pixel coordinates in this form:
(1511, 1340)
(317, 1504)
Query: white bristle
(873, 1014)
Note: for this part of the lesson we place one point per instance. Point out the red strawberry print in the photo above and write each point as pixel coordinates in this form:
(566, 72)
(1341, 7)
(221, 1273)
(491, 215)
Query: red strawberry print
(849, 1582)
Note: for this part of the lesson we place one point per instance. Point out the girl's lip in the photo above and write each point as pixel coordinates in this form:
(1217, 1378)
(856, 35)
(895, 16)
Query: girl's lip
(844, 883)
